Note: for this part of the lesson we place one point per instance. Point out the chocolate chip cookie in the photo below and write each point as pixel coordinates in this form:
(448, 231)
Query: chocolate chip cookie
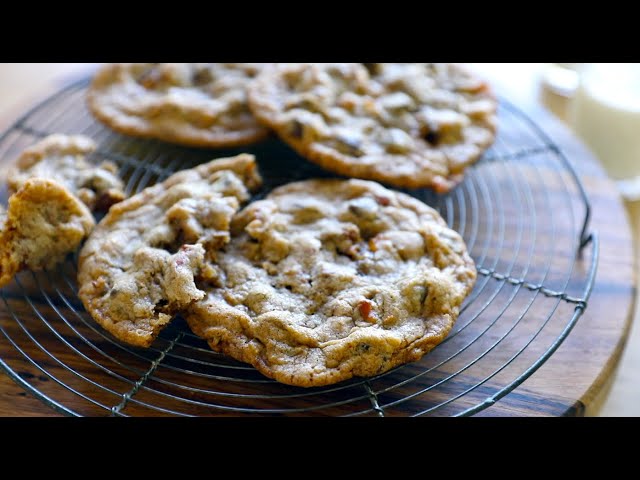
(196, 104)
(62, 158)
(145, 260)
(410, 125)
(44, 222)
(324, 280)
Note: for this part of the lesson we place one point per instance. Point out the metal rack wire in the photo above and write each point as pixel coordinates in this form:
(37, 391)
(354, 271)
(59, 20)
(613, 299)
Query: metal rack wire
(522, 211)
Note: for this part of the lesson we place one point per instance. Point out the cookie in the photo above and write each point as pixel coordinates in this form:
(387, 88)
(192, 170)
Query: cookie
(194, 104)
(62, 158)
(408, 125)
(142, 262)
(324, 280)
(44, 222)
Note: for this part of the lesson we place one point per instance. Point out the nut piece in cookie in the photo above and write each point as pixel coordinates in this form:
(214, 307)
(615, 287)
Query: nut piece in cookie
(410, 125)
(43, 223)
(148, 257)
(324, 280)
(195, 104)
(62, 158)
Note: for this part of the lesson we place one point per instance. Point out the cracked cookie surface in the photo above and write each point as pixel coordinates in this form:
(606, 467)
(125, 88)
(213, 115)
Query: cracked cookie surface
(196, 104)
(324, 280)
(140, 265)
(43, 223)
(62, 158)
(410, 125)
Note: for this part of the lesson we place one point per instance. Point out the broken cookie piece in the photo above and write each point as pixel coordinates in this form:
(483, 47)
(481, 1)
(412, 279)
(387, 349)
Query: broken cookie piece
(43, 223)
(144, 260)
(62, 158)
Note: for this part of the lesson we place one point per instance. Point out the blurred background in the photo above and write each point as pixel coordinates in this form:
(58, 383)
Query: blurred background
(600, 102)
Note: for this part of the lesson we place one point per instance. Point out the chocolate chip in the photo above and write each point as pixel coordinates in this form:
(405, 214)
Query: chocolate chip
(202, 76)
(374, 68)
(432, 138)
(105, 200)
(161, 306)
(424, 291)
(296, 130)
(350, 145)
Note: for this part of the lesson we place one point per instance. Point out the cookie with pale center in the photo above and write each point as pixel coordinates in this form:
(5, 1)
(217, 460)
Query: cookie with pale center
(409, 125)
(193, 104)
(325, 280)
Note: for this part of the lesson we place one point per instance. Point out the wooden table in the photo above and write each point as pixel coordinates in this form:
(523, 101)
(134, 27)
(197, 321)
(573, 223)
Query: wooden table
(598, 339)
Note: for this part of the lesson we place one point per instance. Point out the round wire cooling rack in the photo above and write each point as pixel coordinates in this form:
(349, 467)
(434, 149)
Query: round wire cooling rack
(521, 210)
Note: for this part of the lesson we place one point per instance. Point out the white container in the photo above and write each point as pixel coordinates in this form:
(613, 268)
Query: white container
(605, 113)
(562, 78)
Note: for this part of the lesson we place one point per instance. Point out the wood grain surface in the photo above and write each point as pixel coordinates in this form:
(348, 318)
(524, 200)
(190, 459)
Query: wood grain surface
(574, 381)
